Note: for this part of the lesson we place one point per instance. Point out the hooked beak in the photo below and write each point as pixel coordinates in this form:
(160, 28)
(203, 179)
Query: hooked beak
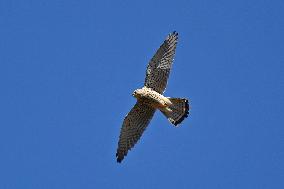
(134, 94)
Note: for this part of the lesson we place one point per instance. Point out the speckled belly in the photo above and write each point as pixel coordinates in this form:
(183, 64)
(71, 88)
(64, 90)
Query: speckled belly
(155, 103)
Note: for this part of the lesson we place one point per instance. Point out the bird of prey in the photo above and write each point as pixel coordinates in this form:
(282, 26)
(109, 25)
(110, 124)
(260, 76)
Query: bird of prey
(150, 98)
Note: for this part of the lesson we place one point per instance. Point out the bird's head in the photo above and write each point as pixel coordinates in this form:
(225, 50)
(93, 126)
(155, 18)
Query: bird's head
(137, 93)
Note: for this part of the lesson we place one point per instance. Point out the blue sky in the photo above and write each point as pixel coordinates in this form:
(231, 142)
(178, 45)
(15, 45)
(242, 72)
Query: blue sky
(68, 68)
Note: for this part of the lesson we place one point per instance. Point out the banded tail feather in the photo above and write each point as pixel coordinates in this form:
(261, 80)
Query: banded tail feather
(178, 111)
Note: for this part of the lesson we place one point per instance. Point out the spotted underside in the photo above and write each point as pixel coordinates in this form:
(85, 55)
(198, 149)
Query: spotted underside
(152, 98)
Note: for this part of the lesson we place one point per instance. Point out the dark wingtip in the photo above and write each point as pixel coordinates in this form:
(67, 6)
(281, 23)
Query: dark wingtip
(173, 37)
(185, 114)
(175, 33)
(119, 158)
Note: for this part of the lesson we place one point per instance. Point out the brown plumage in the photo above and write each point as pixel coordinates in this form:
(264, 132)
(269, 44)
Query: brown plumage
(150, 98)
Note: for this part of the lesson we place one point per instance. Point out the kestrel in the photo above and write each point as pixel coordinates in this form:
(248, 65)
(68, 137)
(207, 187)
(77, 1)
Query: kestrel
(150, 98)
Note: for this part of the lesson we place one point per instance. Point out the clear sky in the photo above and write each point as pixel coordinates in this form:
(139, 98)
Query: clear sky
(68, 68)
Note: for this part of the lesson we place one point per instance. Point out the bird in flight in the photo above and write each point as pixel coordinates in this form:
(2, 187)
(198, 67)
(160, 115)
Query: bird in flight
(150, 98)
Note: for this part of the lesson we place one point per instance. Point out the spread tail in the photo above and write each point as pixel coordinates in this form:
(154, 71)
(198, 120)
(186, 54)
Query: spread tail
(177, 111)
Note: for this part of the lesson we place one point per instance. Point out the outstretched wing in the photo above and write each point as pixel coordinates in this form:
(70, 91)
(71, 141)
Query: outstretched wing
(158, 70)
(133, 126)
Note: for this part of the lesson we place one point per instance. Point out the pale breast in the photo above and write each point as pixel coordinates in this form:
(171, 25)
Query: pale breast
(154, 99)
